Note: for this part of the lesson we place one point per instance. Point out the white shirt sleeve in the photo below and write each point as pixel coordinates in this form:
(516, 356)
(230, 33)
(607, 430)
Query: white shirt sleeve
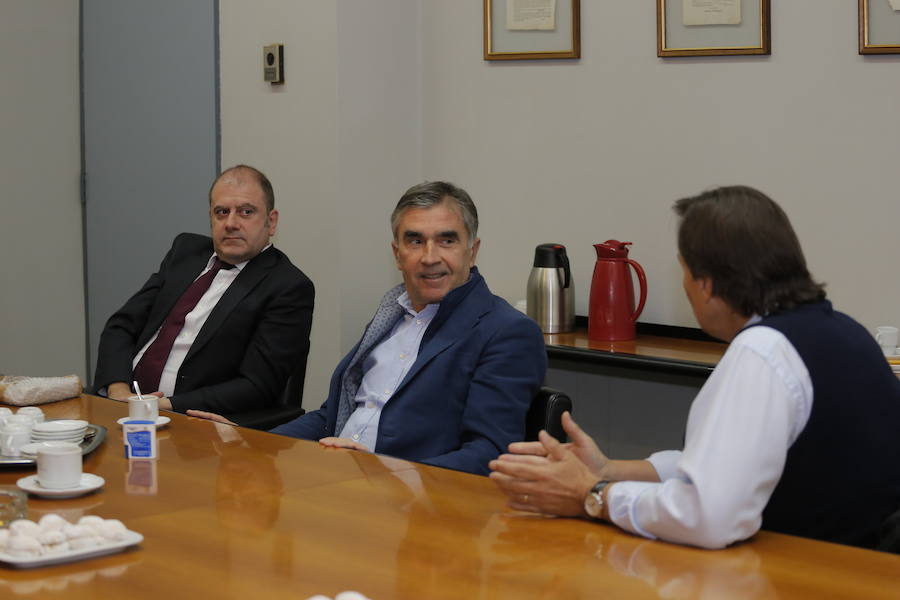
(741, 424)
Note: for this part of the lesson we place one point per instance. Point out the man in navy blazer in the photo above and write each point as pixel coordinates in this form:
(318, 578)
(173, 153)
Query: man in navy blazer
(248, 331)
(445, 371)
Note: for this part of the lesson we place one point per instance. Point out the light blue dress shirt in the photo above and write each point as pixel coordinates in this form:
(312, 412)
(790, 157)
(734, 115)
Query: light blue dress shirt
(384, 369)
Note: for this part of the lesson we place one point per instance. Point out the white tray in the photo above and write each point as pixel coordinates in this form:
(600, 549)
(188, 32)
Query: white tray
(131, 538)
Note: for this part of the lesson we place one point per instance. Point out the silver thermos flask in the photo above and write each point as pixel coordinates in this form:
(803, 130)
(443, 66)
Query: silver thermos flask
(550, 296)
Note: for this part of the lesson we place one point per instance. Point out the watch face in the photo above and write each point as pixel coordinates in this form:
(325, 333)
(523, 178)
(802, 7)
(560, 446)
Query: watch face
(593, 504)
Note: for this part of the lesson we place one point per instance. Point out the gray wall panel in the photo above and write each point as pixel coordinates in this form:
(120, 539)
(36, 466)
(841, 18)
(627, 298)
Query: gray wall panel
(150, 139)
(631, 413)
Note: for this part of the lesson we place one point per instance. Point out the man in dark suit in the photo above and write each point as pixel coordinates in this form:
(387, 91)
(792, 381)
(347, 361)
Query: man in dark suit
(445, 371)
(225, 320)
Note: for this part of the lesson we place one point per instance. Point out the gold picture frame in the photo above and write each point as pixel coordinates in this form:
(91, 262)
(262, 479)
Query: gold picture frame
(879, 28)
(751, 35)
(503, 43)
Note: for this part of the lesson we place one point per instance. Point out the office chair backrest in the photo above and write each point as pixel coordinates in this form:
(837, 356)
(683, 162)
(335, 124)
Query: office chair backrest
(293, 391)
(889, 536)
(288, 408)
(546, 413)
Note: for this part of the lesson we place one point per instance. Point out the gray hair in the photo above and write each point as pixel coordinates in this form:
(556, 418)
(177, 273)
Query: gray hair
(432, 193)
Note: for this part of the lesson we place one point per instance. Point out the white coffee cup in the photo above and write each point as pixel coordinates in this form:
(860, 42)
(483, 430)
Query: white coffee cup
(12, 437)
(143, 408)
(59, 466)
(4, 413)
(32, 411)
(887, 339)
(24, 420)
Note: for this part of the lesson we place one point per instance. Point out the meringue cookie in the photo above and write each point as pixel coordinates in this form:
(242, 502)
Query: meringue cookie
(88, 541)
(49, 538)
(92, 522)
(350, 595)
(52, 522)
(76, 531)
(23, 527)
(112, 530)
(56, 548)
(23, 545)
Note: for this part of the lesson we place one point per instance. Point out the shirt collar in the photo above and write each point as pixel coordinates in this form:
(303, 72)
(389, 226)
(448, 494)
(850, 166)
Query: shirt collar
(427, 312)
(238, 266)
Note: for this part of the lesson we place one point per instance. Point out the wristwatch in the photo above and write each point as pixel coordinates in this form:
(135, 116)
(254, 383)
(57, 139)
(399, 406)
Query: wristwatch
(593, 500)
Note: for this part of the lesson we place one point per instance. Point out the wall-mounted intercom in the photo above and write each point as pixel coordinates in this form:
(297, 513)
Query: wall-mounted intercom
(273, 63)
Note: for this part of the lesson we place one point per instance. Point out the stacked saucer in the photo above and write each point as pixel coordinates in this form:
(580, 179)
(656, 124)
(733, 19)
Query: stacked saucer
(60, 430)
(30, 450)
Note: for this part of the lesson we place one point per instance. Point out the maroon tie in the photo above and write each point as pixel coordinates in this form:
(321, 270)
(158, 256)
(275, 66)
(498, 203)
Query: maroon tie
(149, 369)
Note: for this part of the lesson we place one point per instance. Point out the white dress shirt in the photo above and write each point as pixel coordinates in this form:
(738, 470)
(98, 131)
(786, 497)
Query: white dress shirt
(193, 323)
(740, 427)
(383, 370)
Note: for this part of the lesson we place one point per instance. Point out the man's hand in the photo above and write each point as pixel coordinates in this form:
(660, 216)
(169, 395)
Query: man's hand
(119, 391)
(164, 402)
(582, 445)
(336, 442)
(554, 483)
(122, 391)
(202, 414)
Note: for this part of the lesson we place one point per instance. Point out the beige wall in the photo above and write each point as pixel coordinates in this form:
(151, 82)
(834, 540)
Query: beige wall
(339, 139)
(581, 151)
(41, 290)
(383, 95)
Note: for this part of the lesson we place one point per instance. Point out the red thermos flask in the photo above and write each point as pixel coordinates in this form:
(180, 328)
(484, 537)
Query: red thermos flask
(611, 312)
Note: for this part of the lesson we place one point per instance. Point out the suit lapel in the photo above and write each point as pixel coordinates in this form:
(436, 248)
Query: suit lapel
(464, 317)
(252, 273)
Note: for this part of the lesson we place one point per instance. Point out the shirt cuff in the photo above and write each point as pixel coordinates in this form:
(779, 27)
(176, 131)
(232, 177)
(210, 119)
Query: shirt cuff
(623, 499)
(665, 463)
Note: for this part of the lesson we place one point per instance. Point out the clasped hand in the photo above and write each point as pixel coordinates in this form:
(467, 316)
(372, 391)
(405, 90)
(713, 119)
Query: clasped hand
(549, 477)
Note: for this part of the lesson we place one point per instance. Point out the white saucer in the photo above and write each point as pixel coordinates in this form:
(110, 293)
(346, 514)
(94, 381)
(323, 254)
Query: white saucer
(89, 483)
(61, 426)
(161, 420)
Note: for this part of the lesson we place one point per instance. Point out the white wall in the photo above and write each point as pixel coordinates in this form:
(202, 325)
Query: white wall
(340, 140)
(581, 151)
(42, 288)
(383, 95)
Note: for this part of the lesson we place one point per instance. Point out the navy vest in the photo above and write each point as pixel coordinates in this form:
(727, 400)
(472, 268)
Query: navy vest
(842, 474)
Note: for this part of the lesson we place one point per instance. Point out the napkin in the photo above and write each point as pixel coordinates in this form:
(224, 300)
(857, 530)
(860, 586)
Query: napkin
(29, 391)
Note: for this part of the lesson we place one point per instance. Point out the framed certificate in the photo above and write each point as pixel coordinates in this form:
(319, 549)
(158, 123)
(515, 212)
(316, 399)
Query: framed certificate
(712, 27)
(879, 26)
(532, 29)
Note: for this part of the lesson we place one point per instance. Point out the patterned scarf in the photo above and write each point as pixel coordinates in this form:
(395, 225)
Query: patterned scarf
(389, 311)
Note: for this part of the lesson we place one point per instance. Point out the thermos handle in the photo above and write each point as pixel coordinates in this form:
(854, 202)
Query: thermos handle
(642, 279)
(565, 261)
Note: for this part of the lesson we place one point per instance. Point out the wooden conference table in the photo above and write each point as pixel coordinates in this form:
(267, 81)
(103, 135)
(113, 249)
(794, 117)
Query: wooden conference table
(234, 513)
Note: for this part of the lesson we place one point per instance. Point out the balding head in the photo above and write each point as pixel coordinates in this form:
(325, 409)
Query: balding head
(247, 175)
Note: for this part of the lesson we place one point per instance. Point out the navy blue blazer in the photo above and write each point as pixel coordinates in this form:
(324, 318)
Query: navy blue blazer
(464, 400)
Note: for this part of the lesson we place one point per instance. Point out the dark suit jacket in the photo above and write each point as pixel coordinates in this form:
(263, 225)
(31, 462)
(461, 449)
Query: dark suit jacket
(464, 400)
(249, 345)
